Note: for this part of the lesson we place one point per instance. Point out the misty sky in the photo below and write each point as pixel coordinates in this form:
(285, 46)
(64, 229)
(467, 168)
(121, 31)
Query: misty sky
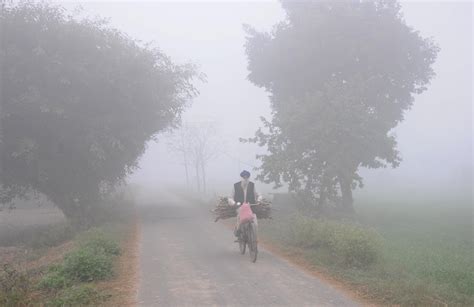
(435, 140)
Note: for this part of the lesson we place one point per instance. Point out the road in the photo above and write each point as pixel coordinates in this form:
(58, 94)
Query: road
(188, 260)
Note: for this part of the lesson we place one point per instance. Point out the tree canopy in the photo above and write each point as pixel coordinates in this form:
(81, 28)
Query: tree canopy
(79, 102)
(341, 76)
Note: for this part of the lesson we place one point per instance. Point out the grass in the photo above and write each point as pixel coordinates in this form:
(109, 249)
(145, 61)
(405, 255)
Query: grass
(349, 244)
(78, 295)
(14, 287)
(426, 255)
(433, 243)
(91, 261)
(72, 282)
(83, 276)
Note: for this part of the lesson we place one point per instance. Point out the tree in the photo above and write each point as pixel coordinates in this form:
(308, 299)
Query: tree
(179, 143)
(340, 75)
(80, 100)
(197, 144)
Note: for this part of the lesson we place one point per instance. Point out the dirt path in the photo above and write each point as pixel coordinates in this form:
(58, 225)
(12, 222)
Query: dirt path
(188, 260)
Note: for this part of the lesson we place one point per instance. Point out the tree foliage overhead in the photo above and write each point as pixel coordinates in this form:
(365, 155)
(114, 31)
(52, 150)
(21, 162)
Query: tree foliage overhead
(341, 75)
(79, 102)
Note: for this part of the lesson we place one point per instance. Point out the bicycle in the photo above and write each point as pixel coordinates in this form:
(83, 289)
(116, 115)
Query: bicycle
(248, 237)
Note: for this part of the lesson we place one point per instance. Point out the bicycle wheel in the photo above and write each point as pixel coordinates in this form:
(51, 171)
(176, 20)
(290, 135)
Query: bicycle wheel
(242, 244)
(252, 241)
(242, 238)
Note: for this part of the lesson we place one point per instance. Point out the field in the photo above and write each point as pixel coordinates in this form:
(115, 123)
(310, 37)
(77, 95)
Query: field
(18, 226)
(431, 242)
(426, 254)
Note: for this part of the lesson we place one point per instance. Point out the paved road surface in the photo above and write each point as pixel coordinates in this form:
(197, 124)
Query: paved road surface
(188, 260)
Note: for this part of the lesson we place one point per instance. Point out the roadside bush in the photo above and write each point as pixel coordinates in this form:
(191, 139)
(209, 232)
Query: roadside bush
(352, 245)
(302, 232)
(14, 287)
(355, 245)
(55, 279)
(99, 241)
(80, 295)
(92, 261)
(87, 264)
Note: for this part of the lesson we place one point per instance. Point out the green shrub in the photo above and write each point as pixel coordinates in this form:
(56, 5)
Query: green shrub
(302, 232)
(87, 264)
(80, 295)
(352, 245)
(55, 279)
(99, 241)
(14, 287)
(355, 245)
(324, 232)
(91, 261)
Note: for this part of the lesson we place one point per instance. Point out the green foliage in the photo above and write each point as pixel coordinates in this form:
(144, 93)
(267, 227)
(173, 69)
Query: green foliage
(72, 282)
(91, 261)
(350, 244)
(424, 259)
(82, 265)
(87, 264)
(340, 76)
(55, 279)
(429, 240)
(97, 240)
(357, 246)
(14, 287)
(78, 295)
(302, 233)
(80, 100)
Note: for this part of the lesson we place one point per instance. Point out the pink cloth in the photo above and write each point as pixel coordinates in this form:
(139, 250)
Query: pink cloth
(246, 213)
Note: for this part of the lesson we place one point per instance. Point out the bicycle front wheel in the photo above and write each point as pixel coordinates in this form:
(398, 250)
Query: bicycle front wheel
(242, 245)
(252, 242)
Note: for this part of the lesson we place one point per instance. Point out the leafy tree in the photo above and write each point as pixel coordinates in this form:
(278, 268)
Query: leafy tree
(340, 75)
(79, 102)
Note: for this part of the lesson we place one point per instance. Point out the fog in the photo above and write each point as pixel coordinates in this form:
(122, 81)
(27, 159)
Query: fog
(211, 35)
(435, 139)
(121, 153)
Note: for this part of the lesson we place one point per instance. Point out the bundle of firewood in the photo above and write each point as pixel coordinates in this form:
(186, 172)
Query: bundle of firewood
(224, 210)
(263, 209)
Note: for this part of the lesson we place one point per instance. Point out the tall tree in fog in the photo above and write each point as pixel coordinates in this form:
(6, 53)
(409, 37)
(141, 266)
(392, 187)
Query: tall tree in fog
(340, 75)
(197, 144)
(80, 100)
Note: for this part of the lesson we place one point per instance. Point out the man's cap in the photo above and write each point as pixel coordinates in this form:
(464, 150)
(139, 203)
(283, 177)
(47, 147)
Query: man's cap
(245, 174)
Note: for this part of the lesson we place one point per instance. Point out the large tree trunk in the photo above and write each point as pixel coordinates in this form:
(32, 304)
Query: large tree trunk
(80, 215)
(323, 193)
(347, 204)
